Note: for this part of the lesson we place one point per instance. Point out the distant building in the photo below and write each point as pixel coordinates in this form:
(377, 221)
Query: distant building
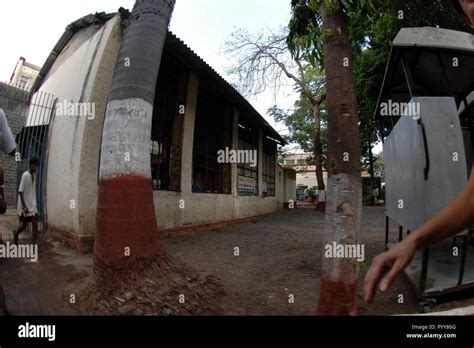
(305, 173)
(24, 75)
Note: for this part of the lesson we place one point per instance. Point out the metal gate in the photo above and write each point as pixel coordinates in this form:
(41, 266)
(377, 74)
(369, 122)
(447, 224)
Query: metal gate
(32, 142)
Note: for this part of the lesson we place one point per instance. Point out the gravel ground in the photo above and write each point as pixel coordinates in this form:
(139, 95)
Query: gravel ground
(279, 256)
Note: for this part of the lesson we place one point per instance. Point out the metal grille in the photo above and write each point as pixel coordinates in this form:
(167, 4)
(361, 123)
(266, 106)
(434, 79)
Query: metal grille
(165, 165)
(32, 142)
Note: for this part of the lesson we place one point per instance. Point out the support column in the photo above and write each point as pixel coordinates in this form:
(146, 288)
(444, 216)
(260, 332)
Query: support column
(260, 162)
(188, 134)
(235, 144)
(176, 151)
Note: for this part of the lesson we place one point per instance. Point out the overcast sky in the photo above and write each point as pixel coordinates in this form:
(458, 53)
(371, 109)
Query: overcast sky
(31, 28)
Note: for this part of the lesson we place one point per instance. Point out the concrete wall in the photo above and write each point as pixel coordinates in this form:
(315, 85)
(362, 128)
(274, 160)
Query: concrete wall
(180, 209)
(13, 102)
(309, 178)
(82, 73)
(185, 208)
(279, 194)
(289, 185)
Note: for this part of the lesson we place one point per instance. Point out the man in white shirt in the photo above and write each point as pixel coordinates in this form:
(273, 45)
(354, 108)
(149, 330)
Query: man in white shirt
(27, 205)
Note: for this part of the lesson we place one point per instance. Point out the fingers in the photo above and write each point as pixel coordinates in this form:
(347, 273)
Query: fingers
(390, 277)
(373, 276)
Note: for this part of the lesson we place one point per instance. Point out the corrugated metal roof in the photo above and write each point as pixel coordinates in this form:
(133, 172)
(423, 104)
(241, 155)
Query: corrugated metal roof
(183, 52)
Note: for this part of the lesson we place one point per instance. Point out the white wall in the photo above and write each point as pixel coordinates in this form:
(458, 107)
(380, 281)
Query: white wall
(202, 208)
(82, 73)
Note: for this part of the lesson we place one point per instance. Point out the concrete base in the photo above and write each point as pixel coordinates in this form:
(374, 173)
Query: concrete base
(84, 244)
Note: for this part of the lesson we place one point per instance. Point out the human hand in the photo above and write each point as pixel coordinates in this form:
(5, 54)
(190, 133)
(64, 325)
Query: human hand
(386, 266)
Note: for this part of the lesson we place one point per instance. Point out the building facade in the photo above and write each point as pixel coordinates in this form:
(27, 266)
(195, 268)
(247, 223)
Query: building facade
(196, 115)
(305, 173)
(24, 75)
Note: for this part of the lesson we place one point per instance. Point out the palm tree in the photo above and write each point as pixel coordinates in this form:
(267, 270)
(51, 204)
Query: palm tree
(126, 224)
(339, 277)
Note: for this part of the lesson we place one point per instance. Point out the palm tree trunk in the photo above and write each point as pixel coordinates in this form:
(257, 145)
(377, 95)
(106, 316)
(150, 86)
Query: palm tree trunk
(339, 278)
(126, 225)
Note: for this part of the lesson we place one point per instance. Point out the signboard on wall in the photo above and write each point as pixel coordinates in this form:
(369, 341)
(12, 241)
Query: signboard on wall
(245, 184)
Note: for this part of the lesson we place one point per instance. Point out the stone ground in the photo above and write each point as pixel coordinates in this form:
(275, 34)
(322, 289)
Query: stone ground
(279, 255)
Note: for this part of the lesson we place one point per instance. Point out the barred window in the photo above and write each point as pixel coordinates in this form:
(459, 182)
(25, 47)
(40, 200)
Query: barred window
(166, 134)
(268, 170)
(247, 175)
(212, 132)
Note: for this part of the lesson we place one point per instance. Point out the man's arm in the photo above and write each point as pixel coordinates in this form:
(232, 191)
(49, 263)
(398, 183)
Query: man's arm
(23, 204)
(21, 188)
(450, 221)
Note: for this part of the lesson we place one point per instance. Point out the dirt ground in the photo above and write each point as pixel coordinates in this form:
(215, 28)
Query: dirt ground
(278, 256)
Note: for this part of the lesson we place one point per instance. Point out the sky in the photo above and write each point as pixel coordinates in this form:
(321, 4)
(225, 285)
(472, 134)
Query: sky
(31, 28)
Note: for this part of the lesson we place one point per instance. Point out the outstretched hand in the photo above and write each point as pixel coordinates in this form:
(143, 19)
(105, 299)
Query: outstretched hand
(386, 266)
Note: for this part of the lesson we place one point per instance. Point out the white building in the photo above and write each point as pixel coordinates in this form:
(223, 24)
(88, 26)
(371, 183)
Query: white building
(196, 113)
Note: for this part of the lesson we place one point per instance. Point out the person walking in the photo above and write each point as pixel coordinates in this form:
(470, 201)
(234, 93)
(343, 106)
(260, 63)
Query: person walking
(27, 207)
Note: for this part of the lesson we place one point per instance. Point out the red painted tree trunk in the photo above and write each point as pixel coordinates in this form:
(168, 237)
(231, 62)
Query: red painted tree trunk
(126, 222)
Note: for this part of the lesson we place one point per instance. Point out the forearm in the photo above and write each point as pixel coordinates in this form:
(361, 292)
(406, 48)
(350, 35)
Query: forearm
(23, 204)
(458, 215)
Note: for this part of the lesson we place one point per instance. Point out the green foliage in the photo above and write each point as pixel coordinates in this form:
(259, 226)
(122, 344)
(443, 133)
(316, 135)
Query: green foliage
(311, 191)
(379, 166)
(372, 26)
(301, 126)
(305, 32)
(372, 34)
(367, 198)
